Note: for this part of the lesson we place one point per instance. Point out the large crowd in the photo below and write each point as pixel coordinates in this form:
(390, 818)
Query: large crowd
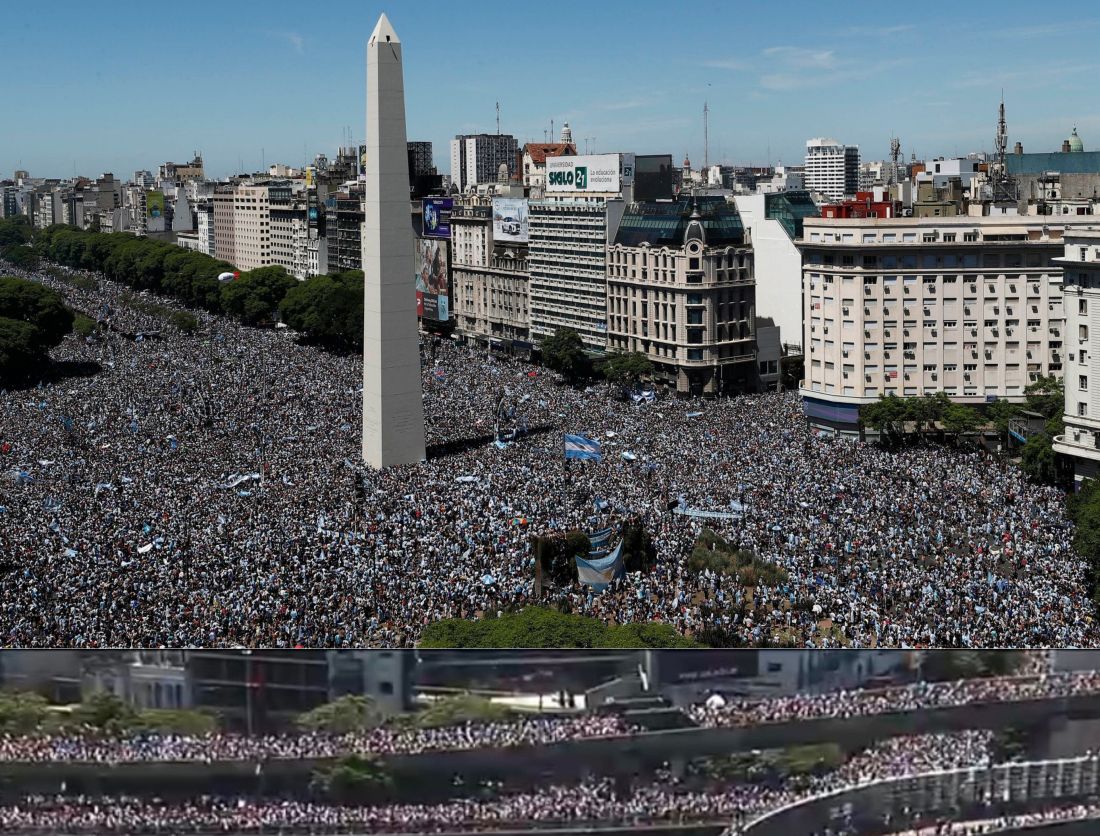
(537, 730)
(1016, 821)
(921, 695)
(662, 799)
(201, 490)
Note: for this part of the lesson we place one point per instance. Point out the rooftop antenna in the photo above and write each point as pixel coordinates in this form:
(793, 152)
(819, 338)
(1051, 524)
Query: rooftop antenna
(498, 118)
(706, 138)
(895, 155)
(551, 130)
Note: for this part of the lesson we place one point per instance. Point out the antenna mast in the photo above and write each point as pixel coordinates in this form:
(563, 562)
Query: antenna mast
(498, 118)
(706, 141)
(895, 154)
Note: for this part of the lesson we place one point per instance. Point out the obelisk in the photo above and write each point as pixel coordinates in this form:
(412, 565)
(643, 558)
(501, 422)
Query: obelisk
(393, 407)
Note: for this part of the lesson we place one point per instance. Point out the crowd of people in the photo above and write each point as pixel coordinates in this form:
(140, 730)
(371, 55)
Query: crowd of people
(921, 695)
(536, 730)
(202, 489)
(1016, 821)
(663, 799)
(527, 731)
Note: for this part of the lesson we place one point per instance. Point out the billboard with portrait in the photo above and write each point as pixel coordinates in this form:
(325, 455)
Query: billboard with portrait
(437, 217)
(154, 204)
(432, 279)
(510, 223)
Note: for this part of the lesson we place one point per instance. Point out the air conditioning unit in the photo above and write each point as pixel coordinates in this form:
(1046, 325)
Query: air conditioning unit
(886, 355)
(867, 377)
(974, 354)
(927, 311)
(908, 311)
(935, 376)
(867, 355)
(866, 333)
(866, 311)
(907, 375)
(934, 333)
(845, 375)
(845, 310)
(966, 375)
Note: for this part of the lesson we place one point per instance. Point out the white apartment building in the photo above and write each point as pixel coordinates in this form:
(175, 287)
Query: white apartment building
(570, 229)
(476, 158)
(491, 281)
(289, 229)
(832, 168)
(251, 227)
(225, 246)
(317, 256)
(969, 306)
(774, 221)
(1080, 265)
(205, 226)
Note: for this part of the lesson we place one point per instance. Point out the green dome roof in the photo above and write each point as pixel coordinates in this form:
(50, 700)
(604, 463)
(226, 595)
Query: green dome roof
(1075, 144)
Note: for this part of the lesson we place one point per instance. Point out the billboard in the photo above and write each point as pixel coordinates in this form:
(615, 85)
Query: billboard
(154, 204)
(589, 173)
(510, 221)
(437, 217)
(432, 282)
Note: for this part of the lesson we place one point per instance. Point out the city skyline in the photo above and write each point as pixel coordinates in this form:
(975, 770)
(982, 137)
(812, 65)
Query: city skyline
(142, 95)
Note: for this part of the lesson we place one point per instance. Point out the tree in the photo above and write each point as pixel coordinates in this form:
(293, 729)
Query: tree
(1046, 396)
(646, 634)
(349, 713)
(353, 779)
(639, 551)
(22, 712)
(1000, 413)
(564, 353)
(327, 309)
(544, 628)
(33, 319)
(175, 721)
(1037, 460)
(460, 709)
(626, 369)
(105, 712)
(255, 296)
(887, 415)
(14, 231)
(23, 257)
(19, 353)
(958, 420)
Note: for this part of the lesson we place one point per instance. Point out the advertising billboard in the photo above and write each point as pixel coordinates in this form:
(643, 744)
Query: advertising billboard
(510, 223)
(154, 204)
(432, 279)
(437, 217)
(588, 173)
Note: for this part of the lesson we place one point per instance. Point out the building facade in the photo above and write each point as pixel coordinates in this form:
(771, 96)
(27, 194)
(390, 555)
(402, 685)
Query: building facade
(205, 213)
(344, 218)
(225, 246)
(476, 158)
(1080, 263)
(832, 168)
(680, 290)
(491, 281)
(968, 306)
(289, 229)
(252, 227)
(420, 159)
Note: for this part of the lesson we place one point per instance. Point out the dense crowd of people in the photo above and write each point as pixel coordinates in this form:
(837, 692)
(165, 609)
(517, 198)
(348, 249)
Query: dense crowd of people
(201, 490)
(527, 731)
(663, 799)
(917, 696)
(1016, 821)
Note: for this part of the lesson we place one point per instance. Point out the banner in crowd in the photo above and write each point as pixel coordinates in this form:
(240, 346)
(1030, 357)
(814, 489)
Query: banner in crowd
(579, 447)
(599, 540)
(598, 572)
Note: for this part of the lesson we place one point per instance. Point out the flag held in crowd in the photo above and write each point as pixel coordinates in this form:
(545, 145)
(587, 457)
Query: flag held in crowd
(599, 540)
(579, 447)
(598, 572)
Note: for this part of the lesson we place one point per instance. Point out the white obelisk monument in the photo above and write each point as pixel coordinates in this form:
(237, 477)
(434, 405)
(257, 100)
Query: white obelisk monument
(393, 407)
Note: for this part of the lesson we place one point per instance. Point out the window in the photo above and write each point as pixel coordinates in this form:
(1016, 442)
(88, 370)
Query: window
(1083, 410)
(695, 354)
(1082, 306)
(1083, 383)
(1083, 333)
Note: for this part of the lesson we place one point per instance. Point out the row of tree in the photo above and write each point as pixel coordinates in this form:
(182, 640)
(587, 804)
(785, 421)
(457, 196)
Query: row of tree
(326, 309)
(564, 353)
(27, 712)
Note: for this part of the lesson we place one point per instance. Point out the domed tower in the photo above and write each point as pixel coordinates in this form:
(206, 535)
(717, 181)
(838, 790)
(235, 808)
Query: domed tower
(566, 134)
(1074, 143)
(687, 168)
(695, 230)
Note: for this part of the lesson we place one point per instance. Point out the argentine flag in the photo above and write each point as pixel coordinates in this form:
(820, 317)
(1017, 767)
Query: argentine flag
(579, 447)
(598, 572)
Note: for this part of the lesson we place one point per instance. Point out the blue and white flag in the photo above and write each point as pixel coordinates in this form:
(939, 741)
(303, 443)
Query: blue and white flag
(599, 540)
(579, 447)
(598, 572)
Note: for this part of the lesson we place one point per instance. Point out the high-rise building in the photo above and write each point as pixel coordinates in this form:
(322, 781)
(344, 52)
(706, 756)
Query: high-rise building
(680, 290)
(1080, 263)
(570, 229)
(289, 229)
(343, 228)
(225, 245)
(832, 168)
(968, 306)
(477, 158)
(251, 227)
(490, 299)
(420, 159)
(205, 226)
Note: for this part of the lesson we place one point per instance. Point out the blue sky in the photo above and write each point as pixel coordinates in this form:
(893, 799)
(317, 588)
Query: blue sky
(126, 85)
